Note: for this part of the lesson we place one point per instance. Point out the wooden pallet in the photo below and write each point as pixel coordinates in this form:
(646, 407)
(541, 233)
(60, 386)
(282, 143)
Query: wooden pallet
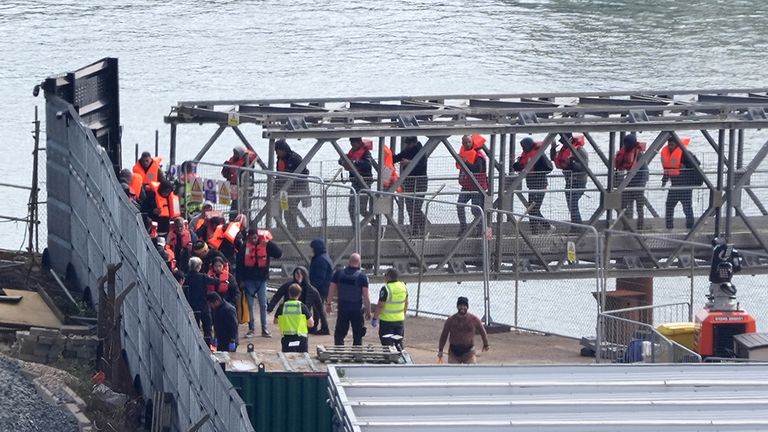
(358, 354)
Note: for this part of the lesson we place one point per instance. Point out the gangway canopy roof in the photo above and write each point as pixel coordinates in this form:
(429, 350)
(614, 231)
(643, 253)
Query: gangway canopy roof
(637, 397)
(436, 115)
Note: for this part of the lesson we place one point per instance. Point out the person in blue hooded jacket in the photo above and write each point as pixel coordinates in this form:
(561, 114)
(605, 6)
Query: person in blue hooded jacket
(320, 268)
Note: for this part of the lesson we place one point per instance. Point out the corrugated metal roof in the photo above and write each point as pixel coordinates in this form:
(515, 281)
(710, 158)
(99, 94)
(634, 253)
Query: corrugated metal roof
(638, 397)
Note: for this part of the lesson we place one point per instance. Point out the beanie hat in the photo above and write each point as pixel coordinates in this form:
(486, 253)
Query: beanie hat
(527, 143)
(630, 140)
(462, 301)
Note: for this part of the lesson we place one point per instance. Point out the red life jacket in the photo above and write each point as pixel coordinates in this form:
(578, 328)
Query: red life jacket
(185, 239)
(247, 160)
(563, 156)
(171, 260)
(482, 177)
(626, 161)
(526, 156)
(256, 253)
(223, 287)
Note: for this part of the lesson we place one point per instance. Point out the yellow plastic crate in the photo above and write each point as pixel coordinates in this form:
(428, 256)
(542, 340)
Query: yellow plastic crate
(683, 333)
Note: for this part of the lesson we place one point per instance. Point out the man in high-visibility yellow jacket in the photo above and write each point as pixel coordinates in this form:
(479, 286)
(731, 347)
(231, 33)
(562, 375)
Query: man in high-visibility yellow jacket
(393, 302)
(294, 319)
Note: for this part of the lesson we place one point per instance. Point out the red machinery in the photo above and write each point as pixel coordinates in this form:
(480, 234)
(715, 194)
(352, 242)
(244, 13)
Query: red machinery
(721, 318)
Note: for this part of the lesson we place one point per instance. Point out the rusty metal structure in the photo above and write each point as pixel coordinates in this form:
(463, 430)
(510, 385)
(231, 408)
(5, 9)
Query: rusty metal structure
(719, 117)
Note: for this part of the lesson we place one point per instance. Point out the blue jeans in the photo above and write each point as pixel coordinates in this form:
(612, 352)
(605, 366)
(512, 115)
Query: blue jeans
(252, 289)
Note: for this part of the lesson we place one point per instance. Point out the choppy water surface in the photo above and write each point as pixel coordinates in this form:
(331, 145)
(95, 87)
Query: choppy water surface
(194, 49)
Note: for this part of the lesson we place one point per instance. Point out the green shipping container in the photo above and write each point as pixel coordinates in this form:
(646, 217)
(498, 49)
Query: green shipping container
(284, 401)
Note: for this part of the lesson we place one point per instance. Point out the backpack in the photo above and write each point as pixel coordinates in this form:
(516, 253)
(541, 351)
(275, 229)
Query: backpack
(695, 176)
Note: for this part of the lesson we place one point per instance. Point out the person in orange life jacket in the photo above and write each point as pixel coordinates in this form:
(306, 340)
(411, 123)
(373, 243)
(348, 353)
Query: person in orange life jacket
(574, 172)
(354, 303)
(149, 169)
(227, 238)
(415, 184)
(627, 159)
(131, 184)
(474, 157)
(164, 205)
(288, 161)
(253, 261)
(207, 232)
(225, 323)
(320, 268)
(680, 170)
(199, 220)
(536, 180)
(196, 288)
(206, 254)
(225, 285)
(294, 342)
(309, 296)
(166, 253)
(362, 162)
(180, 240)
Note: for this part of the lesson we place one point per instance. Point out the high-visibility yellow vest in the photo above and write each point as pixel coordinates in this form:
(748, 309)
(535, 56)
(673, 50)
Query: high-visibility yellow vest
(292, 320)
(394, 307)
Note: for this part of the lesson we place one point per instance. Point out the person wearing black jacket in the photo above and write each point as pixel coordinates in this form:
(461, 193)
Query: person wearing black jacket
(680, 169)
(224, 323)
(574, 171)
(309, 296)
(206, 254)
(415, 183)
(196, 289)
(288, 161)
(252, 269)
(320, 268)
(536, 180)
(362, 162)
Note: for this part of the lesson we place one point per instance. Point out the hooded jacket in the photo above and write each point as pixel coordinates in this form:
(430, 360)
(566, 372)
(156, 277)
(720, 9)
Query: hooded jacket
(309, 295)
(320, 268)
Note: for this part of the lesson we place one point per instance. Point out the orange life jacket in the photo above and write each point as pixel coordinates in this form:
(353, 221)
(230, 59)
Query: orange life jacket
(171, 260)
(151, 174)
(359, 153)
(135, 186)
(217, 237)
(185, 239)
(223, 287)
(256, 253)
(169, 206)
(673, 160)
(563, 156)
(390, 174)
(231, 231)
(470, 156)
(526, 156)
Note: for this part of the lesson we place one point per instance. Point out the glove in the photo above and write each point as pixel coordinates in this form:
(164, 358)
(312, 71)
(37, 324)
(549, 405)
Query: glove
(374, 323)
(231, 347)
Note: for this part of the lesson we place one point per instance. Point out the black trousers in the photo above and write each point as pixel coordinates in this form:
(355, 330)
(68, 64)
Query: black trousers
(638, 197)
(415, 186)
(302, 346)
(572, 197)
(535, 199)
(389, 329)
(203, 317)
(683, 196)
(345, 318)
(363, 199)
(466, 196)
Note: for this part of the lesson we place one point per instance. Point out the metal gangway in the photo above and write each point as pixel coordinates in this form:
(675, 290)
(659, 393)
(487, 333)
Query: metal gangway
(725, 124)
